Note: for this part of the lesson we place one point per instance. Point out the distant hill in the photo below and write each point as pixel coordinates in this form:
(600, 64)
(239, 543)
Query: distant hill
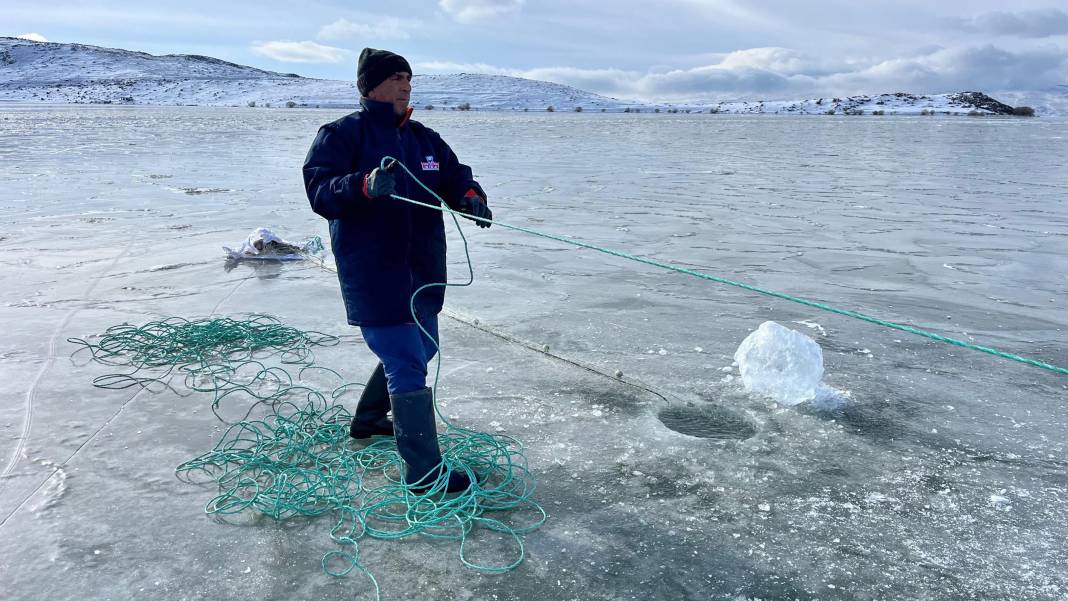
(898, 103)
(77, 73)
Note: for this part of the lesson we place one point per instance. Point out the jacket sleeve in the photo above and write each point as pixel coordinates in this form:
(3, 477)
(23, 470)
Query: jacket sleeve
(456, 178)
(333, 190)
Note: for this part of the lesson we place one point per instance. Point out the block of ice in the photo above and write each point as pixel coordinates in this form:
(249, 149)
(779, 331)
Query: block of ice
(781, 363)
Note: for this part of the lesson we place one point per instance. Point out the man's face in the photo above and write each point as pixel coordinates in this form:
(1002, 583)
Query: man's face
(396, 89)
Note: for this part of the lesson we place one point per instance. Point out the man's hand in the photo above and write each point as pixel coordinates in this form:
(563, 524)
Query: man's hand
(380, 182)
(474, 204)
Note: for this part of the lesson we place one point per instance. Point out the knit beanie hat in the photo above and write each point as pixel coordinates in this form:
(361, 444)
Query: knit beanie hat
(375, 66)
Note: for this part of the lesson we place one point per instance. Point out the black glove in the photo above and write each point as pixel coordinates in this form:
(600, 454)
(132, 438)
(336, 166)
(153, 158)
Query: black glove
(380, 182)
(475, 205)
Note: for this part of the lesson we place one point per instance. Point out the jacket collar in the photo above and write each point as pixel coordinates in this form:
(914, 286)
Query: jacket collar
(382, 112)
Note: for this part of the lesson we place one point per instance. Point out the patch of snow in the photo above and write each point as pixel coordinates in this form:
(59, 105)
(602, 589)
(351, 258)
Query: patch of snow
(813, 326)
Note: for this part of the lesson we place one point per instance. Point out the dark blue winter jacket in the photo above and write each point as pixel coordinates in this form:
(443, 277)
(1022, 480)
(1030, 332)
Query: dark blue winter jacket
(385, 248)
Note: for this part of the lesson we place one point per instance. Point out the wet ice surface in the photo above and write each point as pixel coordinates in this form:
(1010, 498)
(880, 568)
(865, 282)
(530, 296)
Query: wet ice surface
(942, 477)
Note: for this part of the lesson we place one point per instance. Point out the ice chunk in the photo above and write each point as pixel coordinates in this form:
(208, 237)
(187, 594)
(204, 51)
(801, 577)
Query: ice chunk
(781, 363)
(1000, 502)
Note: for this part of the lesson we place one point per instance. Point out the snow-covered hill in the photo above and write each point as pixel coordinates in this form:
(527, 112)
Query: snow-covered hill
(899, 103)
(77, 73)
(502, 93)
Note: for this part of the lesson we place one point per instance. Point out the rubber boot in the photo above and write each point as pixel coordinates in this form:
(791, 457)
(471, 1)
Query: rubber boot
(417, 442)
(370, 418)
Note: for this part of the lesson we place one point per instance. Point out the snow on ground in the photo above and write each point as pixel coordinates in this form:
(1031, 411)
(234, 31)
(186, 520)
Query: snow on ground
(81, 74)
(900, 103)
(77, 73)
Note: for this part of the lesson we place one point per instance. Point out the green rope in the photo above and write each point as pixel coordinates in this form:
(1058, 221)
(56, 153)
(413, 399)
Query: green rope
(444, 208)
(295, 458)
(220, 356)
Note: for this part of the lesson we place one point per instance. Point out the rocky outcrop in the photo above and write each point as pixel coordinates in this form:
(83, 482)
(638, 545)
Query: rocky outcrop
(980, 100)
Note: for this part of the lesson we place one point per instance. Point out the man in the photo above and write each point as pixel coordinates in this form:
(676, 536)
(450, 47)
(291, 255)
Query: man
(386, 249)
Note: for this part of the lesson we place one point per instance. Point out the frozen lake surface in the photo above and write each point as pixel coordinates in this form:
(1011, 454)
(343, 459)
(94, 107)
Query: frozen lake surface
(943, 477)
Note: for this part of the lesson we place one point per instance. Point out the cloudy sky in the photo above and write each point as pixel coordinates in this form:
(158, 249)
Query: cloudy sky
(651, 50)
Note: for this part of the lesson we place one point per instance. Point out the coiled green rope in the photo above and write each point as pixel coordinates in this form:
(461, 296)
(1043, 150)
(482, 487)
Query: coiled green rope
(296, 459)
(219, 355)
(624, 255)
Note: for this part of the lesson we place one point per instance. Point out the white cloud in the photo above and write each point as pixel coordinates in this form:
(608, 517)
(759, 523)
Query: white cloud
(1041, 23)
(33, 37)
(447, 67)
(775, 59)
(372, 28)
(610, 82)
(300, 52)
(470, 11)
(782, 73)
(732, 11)
(983, 68)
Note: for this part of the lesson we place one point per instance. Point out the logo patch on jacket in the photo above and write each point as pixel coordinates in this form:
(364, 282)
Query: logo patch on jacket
(430, 164)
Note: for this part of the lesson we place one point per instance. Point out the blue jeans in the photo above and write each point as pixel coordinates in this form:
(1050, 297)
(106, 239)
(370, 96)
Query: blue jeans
(404, 351)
